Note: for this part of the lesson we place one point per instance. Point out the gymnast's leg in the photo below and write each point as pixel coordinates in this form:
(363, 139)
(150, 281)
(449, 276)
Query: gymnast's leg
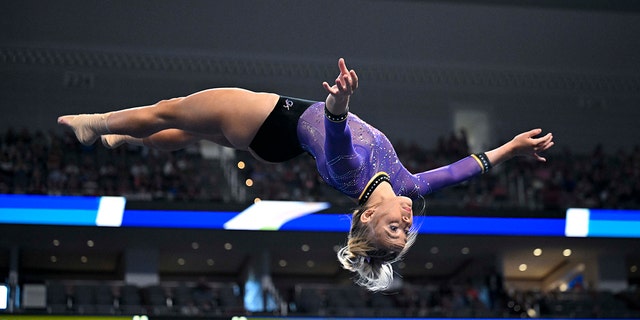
(228, 116)
(165, 140)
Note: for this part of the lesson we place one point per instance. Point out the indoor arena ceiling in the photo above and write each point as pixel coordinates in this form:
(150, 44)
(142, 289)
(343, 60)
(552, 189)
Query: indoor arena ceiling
(599, 5)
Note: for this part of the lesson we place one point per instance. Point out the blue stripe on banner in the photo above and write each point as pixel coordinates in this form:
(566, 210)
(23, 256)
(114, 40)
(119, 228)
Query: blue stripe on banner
(48, 216)
(614, 229)
(83, 211)
(491, 226)
(319, 222)
(613, 215)
(442, 225)
(49, 202)
(176, 219)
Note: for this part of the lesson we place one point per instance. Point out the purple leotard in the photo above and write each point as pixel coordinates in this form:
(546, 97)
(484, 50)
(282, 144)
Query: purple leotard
(349, 153)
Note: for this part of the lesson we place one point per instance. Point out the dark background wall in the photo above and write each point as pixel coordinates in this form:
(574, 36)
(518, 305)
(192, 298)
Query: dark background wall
(569, 69)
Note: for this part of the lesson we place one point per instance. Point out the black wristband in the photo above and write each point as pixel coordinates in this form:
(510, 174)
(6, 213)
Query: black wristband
(335, 118)
(483, 161)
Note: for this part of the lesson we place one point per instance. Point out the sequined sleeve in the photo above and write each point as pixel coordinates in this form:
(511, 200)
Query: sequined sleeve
(339, 150)
(349, 153)
(340, 162)
(451, 174)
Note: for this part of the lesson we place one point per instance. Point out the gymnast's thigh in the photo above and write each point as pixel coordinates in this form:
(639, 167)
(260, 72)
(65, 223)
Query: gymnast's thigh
(237, 114)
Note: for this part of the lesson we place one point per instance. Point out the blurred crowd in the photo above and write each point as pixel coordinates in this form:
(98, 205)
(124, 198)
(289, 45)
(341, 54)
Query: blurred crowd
(591, 180)
(55, 163)
(465, 301)
(204, 299)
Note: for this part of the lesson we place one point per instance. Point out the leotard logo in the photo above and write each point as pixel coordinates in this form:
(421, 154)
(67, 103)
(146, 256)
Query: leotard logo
(288, 104)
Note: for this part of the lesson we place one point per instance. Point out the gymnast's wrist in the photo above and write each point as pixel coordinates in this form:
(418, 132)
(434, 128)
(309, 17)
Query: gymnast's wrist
(336, 117)
(337, 104)
(483, 161)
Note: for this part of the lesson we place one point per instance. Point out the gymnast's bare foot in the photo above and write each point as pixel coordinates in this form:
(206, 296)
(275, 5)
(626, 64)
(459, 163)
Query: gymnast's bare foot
(87, 127)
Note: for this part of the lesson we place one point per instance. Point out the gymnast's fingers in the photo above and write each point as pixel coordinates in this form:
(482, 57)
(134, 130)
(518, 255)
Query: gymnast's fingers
(354, 76)
(342, 65)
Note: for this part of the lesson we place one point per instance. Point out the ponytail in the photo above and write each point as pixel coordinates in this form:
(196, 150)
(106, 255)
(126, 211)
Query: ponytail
(372, 274)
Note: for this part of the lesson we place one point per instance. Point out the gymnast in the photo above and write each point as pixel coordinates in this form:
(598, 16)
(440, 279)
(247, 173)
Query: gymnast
(351, 156)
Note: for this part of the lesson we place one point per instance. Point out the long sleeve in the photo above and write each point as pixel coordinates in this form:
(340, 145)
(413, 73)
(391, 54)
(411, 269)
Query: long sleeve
(349, 153)
(339, 151)
(451, 174)
(340, 161)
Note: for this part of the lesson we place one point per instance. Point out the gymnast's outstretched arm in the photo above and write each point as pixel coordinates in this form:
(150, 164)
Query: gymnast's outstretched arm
(524, 144)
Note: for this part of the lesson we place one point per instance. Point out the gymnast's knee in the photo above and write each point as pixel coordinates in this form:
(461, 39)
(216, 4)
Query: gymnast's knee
(169, 108)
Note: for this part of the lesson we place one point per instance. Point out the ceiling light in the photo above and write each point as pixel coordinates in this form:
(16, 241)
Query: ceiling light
(537, 252)
(54, 259)
(282, 263)
(84, 259)
(465, 250)
(566, 252)
(310, 264)
(633, 268)
(428, 265)
(305, 247)
(241, 165)
(210, 262)
(181, 261)
(195, 245)
(434, 250)
(56, 242)
(90, 243)
(248, 182)
(523, 267)
(228, 246)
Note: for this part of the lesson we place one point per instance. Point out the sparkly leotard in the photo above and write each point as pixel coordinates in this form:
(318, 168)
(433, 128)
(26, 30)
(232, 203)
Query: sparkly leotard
(349, 153)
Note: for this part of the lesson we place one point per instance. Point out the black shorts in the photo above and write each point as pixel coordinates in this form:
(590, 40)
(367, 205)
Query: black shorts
(277, 138)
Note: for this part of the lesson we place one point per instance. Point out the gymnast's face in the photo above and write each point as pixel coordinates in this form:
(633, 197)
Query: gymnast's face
(390, 221)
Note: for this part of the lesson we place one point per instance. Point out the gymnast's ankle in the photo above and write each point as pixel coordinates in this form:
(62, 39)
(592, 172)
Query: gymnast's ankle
(113, 141)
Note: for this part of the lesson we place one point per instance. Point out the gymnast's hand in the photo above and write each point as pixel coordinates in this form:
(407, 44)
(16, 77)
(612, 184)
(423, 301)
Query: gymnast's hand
(526, 144)
(345, 85)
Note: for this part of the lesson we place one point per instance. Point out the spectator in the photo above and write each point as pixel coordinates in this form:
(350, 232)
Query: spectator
(55, 164)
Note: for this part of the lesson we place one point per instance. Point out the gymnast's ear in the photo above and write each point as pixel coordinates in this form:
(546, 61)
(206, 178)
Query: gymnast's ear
(366, 216)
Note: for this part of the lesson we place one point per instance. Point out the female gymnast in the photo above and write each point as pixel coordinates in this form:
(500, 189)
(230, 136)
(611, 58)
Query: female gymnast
(351, 155)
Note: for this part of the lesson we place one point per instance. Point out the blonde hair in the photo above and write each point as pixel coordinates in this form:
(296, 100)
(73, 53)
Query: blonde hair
(372, 272)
